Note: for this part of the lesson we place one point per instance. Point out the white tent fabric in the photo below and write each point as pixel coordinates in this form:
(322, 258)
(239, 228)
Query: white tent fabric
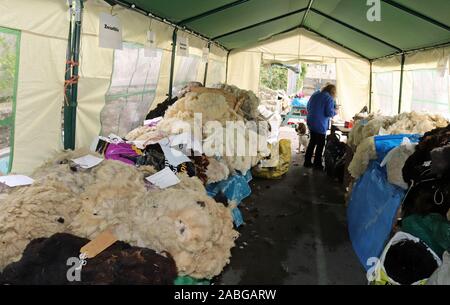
(425, 87)
(352, 71)
(40, 93)
(44, 27)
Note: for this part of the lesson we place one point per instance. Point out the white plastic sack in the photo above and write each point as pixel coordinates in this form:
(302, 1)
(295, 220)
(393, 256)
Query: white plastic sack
(380, 273)
(442, 275)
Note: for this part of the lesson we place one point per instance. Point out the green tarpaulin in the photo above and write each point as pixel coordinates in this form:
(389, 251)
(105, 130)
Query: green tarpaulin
(404, 24)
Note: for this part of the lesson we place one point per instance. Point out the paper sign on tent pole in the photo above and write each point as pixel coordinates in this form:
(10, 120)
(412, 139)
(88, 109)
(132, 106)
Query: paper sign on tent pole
(110, 32)
(183, 46)
(150, 45)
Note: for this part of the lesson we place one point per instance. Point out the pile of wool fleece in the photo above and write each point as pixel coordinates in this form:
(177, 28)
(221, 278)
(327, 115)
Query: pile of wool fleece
(415, 122)
(364, 153)
(215, 107)
(407, 123)
(142, 133)
(42, 209)
(395, 160)
(182, 220)
(217, 170)
(247, 101)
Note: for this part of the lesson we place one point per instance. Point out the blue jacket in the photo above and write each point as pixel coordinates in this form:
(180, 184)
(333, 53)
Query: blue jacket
(321, 107)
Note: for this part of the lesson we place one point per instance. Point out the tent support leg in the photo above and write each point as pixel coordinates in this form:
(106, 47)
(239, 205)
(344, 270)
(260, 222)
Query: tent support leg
(402, 68)
(370, 88)
(67, 92)
(206, 66)
(71, 77)
(226, 68)
(172, 61)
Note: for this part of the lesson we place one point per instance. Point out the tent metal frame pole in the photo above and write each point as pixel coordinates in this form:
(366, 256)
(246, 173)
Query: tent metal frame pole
(402, 68)
(417, 14)
(356, 29)
(211, 12)
(308, 9)
(70, 111)
(438, 46)
(260, 23)
(370, 88)
(67, 112)
(206, 66)
(172, 61)
(226, 68)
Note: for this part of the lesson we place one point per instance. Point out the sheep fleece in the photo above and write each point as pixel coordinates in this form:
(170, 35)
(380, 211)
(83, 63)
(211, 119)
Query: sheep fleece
(182, 220)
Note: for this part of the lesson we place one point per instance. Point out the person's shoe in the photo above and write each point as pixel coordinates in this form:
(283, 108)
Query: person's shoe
(308, 165)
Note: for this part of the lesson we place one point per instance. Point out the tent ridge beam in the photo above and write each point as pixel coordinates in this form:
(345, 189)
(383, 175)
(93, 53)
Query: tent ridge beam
(356, 29)
(417, 14)
(279, 33)
(211, 12)
(335, 42)
(167, 21)
(307, 12)
(260, 23)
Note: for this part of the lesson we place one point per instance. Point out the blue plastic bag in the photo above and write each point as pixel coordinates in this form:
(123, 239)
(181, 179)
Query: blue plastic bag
(235, 188)
(371, 212)
(384, 144)
(374, 202)
(237, 217)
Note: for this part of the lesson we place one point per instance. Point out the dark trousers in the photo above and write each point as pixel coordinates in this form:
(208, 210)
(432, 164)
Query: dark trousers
(317, 142)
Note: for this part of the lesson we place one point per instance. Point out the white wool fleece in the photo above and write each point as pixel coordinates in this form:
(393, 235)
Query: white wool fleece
(181, 220)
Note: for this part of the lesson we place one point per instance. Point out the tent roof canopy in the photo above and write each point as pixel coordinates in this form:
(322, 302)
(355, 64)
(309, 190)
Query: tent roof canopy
(405, 25)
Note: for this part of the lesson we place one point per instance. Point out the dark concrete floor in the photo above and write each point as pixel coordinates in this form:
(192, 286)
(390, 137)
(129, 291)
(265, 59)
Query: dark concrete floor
(295, 233)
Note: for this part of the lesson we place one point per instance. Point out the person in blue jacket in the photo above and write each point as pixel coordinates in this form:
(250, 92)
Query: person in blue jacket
(321, 107)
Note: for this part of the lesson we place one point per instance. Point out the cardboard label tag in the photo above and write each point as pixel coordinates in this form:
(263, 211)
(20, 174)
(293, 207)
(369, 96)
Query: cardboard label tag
(183, 46)
(110, 32)
(205, 55)
(98, 244)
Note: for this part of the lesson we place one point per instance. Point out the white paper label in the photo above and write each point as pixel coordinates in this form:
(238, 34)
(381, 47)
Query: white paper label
(173, 156)
(87, 161)
(16, 180)
(164, 179)
(205, 55)
(110, 32)
(151, 39)
(183, 46)
(150, 45)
